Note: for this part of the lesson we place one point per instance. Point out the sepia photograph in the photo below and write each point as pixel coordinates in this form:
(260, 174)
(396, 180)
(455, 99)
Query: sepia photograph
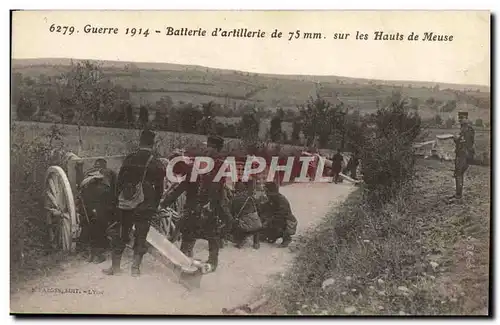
(250, 163)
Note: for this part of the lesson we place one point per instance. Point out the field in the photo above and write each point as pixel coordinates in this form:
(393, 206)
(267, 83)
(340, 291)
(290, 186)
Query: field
(148, 82)
(117, 141)
(120, 141)
(99, 141)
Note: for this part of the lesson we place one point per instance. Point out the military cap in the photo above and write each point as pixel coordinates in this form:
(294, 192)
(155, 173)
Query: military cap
(147, 137)
(100, 163)
(463, 115)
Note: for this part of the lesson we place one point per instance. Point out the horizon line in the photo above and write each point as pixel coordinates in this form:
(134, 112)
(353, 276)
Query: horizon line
(259, 73)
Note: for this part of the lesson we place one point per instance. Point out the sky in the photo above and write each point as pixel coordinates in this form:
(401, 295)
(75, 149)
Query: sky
(464, 60)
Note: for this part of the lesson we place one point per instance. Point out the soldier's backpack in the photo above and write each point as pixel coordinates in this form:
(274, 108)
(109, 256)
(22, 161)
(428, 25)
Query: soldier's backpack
(133, 195)
(250, 221)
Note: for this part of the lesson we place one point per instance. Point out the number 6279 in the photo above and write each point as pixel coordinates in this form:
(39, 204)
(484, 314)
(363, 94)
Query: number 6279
(65, 30)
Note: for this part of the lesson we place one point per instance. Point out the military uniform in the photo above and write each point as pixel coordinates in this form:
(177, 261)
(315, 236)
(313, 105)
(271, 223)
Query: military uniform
(131, 172)
(337, 161)
(97, 202)
(464, 154)
(206, 212)
(278, 219)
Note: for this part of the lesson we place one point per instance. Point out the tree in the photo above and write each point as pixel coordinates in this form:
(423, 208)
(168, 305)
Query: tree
(189, 117)
(450, 106)
(275, 129)
(117, 114)
(28, 81)
(396, 119)
(17, 86)
(438, 121)
(143, 115)
(388, 158)
(25, 108)
(450, 122)
(284, 136)
(296, 128)
(356, 127)
(320, 119)
(249, 127)
(207, 124)
(162, 110)
(208, 109)
(414, 103)
(129, 114)
(85, 90)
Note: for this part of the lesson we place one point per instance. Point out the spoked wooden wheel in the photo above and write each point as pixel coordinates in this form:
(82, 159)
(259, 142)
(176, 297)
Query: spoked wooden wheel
(165, 222)
(167, 219)
(60, 208)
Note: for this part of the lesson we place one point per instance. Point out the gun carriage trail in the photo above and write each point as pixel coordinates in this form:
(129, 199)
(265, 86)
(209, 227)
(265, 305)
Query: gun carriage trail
(238, 279)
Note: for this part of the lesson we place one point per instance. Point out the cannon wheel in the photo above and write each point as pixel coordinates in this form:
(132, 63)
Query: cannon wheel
(60, 206)
(167, 225)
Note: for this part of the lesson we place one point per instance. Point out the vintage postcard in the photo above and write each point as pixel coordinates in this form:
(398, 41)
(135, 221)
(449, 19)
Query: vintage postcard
(250, 162)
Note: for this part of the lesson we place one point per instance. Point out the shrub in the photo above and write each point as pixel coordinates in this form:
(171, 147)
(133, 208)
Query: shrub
(388, 159)
(29, 160)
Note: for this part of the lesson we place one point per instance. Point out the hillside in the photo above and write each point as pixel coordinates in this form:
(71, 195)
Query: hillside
(148, 82)
(19, 63)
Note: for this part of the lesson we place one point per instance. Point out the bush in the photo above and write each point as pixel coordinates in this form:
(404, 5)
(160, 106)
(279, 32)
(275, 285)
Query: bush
(381, 262)
(388, 160)
(357, 248)
(29, 160)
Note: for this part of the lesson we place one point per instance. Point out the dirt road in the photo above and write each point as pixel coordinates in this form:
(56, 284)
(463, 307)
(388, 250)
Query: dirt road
(240, 274)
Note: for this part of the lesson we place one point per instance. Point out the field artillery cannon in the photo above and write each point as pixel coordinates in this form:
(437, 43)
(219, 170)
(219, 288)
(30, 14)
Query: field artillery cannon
(65, 221)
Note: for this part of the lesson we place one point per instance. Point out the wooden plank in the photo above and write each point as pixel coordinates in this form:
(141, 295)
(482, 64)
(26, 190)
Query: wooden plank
(168, 254)
(349, 179)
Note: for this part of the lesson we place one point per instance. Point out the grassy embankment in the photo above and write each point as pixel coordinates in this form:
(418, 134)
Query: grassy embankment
(423, 256)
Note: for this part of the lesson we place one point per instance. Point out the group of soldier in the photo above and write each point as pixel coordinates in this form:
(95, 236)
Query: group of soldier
(211, 212)
(254, 209)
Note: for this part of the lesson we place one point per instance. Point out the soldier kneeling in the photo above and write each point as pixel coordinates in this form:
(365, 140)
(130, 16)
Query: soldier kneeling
(97, 204)
(279, 220)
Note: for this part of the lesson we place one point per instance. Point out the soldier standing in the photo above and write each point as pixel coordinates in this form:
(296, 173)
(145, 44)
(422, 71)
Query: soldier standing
(140, 187)
(207, 210)
(464, 152)
(337, 161)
